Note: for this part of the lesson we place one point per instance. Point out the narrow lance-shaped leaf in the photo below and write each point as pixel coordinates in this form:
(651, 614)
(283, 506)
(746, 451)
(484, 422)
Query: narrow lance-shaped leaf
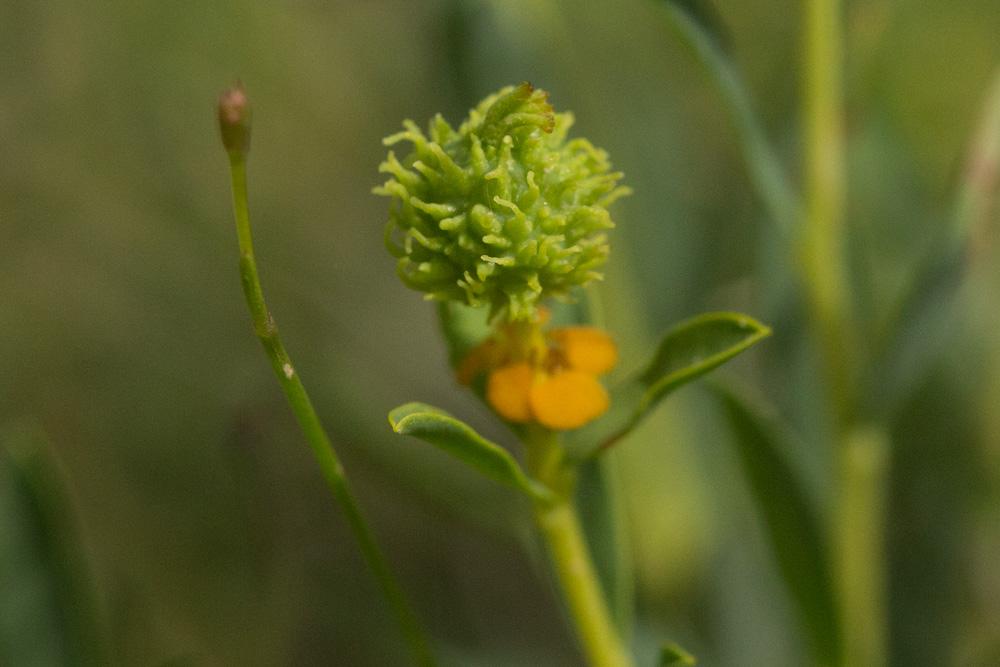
(686, 352)
(698, 24)
(792, 526)
(458, 439)
(704, 18)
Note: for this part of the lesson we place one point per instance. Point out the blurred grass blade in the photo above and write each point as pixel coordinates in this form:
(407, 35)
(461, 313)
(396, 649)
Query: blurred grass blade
(599, 499)
(918, 335)
(705, 17)
(792, 526)
(686, 352)
(459, 439)
(921, 329)
(48, 611)
(698, 25)
(672, 655)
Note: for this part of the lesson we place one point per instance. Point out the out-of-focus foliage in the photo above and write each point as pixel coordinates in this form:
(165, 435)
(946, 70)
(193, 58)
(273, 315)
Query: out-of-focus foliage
(801, 548)
(48, 611)
(207, 527)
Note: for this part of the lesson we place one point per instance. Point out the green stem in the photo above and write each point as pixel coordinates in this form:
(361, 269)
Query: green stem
(560, 528)
(823, 246)
(322, 448)
(861, 453)
(860, 554)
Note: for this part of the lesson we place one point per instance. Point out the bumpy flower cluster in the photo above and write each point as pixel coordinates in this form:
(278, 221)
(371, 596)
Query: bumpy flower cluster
(502, 212)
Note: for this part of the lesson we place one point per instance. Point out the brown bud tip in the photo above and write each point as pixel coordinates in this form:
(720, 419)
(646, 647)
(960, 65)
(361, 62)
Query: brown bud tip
(234, 119)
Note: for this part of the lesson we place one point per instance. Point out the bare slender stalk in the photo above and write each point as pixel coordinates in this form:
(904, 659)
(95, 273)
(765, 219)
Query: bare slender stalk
(234, 121)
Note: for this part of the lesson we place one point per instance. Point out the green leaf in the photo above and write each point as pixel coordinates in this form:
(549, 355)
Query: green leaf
(686, 352)
(48, 614)
(699, 26)
(696, 347)
(794, 532)
(672, 654)
(599, 499)
(459, 439)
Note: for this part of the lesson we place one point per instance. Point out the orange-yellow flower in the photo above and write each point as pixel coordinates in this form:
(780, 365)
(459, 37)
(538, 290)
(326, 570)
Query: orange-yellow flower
(550, 379)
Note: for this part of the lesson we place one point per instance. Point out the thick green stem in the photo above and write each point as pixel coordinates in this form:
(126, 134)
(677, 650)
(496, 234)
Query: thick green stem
(859, 538)
(312, 428)
(857, 524)
(823, 245)
(560, 528)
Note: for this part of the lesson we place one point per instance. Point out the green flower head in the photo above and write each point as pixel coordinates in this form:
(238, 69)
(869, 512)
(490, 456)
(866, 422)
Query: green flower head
(504, 211)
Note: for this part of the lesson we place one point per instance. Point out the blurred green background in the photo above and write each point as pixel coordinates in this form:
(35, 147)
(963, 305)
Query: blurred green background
(206, 528)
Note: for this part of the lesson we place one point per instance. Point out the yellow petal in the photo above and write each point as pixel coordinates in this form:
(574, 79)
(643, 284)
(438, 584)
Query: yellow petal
(587, 349)
(568, 400)
(508, 391)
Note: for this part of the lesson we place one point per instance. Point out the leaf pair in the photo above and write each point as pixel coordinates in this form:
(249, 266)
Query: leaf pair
(686, 352)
